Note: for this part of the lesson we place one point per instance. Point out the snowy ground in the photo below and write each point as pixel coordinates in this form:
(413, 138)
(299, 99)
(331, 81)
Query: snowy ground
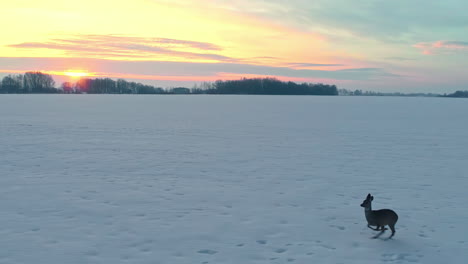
(230, 179)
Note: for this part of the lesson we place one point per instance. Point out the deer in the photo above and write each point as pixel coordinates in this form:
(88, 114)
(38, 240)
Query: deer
(379, 218)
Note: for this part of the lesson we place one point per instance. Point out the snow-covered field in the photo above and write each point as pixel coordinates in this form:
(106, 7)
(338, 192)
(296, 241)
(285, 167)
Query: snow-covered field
(230, 179)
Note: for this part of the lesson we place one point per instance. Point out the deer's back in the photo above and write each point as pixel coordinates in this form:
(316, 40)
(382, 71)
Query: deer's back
(382, 217)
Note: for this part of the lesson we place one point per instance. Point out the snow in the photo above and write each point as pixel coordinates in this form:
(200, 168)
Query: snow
(230, 179)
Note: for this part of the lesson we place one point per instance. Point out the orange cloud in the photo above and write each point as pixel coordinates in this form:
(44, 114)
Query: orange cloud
(129, 48)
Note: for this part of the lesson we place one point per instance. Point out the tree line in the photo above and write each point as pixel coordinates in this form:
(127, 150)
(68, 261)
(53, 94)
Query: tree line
(266, 86)
(459, 94)
(38, 82)
(345, 92)
(372, 93)
(30, 82)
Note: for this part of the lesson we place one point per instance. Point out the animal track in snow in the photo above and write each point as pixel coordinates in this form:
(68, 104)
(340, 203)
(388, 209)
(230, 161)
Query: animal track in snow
(207, 251)
(280, 250)
(400, 258)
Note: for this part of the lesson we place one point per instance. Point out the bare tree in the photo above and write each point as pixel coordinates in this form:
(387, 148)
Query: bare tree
(12, 84)
(38, 82)
(67, 87)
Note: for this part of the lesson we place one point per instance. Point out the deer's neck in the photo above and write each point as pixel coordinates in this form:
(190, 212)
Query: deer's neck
(368, 211)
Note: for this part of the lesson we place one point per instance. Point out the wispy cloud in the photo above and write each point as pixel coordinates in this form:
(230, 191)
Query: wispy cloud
(165, 68)
(429, 48)
(118, 46)
(310, 65)
(122, 47)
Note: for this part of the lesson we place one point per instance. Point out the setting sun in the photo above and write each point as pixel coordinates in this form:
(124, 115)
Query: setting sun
(76, 73)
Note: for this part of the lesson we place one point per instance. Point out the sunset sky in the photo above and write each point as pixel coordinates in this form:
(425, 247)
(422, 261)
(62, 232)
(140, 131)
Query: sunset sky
(399, 45)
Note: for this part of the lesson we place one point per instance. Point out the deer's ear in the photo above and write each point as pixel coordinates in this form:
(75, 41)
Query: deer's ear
(369, 196)
(372, 198)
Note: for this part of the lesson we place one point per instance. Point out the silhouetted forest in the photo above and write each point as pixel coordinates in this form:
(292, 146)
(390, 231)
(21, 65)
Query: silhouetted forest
(270, 86)
(372, 93)
(38, 82)
(30, 82)
(460, 94)
(109, 86)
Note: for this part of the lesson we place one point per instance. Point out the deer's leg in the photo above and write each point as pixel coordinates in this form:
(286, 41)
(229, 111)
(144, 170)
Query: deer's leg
(379, 234)
(375, 229)
(392, 227)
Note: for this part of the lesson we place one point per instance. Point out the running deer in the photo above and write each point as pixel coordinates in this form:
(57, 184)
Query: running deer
(379, 218)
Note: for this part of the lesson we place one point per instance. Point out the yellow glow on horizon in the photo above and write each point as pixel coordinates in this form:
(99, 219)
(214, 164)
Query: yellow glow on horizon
(76, 73)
